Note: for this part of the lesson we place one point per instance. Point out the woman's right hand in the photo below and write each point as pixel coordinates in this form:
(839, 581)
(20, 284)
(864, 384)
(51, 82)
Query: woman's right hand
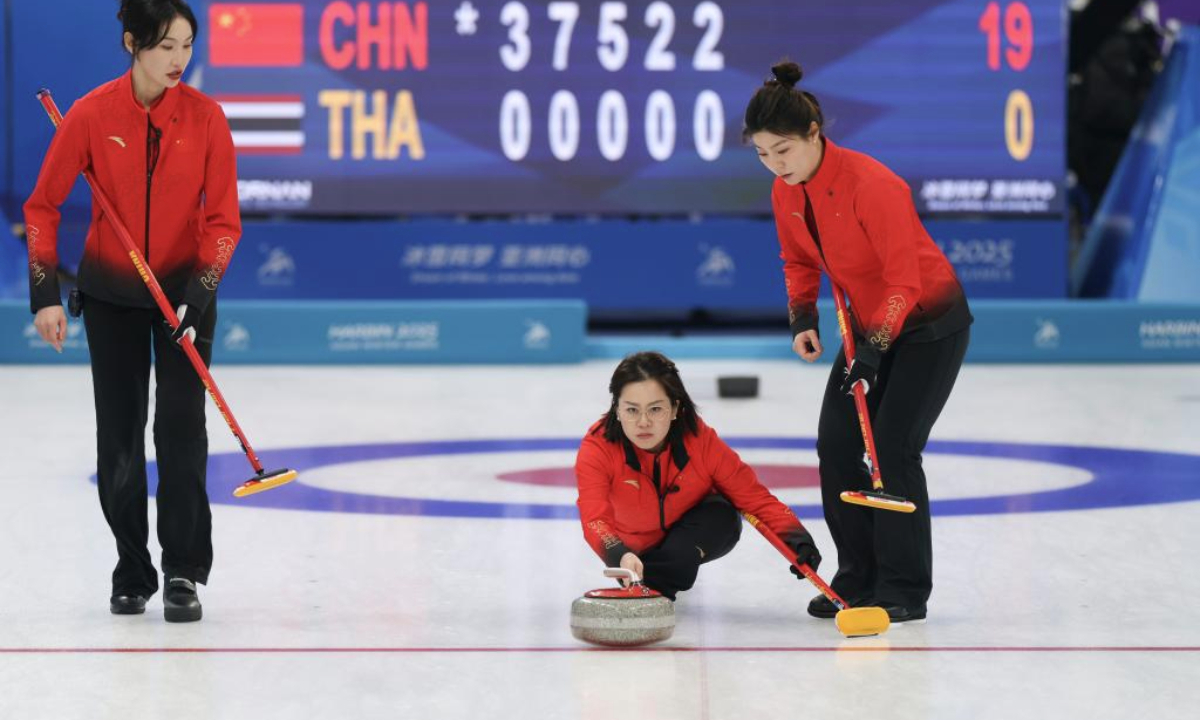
(51, 324)
(807, 345)
(629, 561)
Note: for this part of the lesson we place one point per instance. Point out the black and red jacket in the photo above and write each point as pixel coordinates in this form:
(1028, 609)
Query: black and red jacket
(873, 245)
(623, 509)
(171, 175)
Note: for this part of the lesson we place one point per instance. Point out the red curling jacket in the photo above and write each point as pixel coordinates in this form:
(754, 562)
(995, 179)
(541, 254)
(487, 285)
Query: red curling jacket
(183, 216)
(623, 510)
(873, 245)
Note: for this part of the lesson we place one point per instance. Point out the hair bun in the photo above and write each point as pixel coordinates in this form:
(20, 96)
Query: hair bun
(787, 73)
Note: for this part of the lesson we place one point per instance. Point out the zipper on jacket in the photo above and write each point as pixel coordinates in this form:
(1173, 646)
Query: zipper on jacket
(662, 498)
(816, 235)
(153, 135)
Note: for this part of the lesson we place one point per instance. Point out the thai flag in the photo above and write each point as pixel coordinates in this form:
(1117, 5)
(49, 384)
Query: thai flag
(265, 124)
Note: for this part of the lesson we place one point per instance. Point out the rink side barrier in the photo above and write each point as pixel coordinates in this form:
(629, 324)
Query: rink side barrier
(306, 332)
(1005, 331)
(553, 331)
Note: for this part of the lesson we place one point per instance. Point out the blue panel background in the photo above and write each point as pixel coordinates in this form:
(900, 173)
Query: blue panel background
(673, 265)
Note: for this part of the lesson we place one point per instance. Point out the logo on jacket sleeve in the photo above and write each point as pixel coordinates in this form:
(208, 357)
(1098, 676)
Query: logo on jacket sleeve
(117, 140)
(883, 337)
(37, 271)
(212, 276)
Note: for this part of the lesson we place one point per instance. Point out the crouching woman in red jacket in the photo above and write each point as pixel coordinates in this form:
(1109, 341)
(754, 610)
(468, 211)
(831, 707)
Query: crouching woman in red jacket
(659, 492)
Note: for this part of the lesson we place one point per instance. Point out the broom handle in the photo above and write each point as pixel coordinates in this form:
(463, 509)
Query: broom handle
(156, 291)
(860, 396)
(790, 554)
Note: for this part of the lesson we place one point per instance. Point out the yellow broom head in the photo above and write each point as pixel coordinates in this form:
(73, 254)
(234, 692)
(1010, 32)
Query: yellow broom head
(265, 481)
(862, 622)
(878, 500)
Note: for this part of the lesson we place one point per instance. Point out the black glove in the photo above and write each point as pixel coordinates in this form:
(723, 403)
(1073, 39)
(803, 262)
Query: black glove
(864, 368)
(187, 323)
(806, 551)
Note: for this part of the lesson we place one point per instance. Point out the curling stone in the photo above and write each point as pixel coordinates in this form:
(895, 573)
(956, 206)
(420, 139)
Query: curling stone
(624, 616)
(737, 386)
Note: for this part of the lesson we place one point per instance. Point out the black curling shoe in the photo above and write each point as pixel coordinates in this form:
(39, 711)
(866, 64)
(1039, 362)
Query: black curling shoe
(180, 602)
(822, 607)
(127, 604)
(900, 614)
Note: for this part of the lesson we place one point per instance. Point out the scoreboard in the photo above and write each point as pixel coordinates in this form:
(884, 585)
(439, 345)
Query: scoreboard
(627, 107)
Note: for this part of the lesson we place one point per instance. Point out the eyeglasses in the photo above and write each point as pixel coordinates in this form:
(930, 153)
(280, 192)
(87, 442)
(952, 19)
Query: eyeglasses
(654, 413)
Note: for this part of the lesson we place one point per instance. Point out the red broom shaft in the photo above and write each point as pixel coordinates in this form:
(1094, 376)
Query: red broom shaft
(157, 292)
(860, 397)
(790, 554)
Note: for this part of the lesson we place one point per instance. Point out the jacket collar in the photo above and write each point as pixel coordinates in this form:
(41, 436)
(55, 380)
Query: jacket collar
(679, 453)
(822, 181)
(162, 110)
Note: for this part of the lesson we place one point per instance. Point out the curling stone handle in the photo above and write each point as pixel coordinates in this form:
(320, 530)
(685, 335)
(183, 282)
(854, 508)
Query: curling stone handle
(623, 574)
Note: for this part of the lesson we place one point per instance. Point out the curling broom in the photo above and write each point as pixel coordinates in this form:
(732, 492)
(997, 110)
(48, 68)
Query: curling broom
(851, 622)
(262, 479)
(875, 497)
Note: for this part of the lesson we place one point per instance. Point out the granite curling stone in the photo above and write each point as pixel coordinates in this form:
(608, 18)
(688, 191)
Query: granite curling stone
(623, 617)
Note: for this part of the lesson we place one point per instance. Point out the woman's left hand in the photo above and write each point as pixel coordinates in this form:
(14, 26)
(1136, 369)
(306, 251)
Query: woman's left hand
(807, 345)
(51, 325)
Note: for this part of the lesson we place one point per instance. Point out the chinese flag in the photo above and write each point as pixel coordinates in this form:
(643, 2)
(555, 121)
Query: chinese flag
(256, 34)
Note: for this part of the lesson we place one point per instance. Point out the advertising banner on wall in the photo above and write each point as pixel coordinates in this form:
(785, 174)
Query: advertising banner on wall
(654, 265)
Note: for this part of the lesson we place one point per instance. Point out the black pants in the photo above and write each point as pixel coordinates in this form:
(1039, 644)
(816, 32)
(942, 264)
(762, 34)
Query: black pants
(882, 555)
(121, 340)
(703, 534)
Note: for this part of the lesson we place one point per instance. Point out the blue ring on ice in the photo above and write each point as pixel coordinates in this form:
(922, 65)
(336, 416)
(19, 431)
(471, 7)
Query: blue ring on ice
(1120, 478)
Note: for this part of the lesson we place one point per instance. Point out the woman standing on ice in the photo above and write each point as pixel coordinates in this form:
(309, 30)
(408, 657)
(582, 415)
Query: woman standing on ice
(163, 153)
(844, 214)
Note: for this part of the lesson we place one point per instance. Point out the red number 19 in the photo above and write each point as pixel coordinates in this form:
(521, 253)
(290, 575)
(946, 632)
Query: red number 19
(1018, 30)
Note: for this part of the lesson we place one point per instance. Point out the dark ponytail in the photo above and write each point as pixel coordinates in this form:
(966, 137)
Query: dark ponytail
(149, 20)
(781, 108)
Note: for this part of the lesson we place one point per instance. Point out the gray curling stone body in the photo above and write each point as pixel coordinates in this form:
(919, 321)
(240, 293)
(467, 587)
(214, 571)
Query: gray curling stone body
(622, 617)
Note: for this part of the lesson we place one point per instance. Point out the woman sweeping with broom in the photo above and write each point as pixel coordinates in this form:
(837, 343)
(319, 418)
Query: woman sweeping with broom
(844, 214)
